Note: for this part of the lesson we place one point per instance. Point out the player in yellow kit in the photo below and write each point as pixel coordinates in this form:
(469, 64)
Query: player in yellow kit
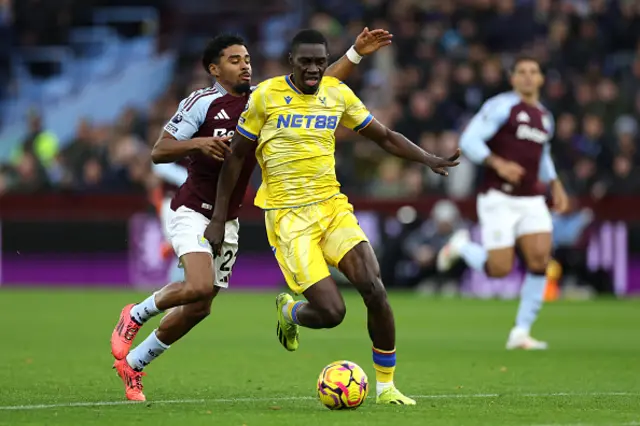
(290, 121)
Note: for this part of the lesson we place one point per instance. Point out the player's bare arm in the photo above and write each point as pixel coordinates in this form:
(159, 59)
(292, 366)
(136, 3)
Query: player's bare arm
(559, 197)
(240, 147)
(398, 145)
(169, 150)
(366, 43)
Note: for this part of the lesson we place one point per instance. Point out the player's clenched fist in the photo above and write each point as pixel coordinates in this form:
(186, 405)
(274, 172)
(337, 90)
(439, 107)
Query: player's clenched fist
(214, 147)
(510, 171)
(214, 233)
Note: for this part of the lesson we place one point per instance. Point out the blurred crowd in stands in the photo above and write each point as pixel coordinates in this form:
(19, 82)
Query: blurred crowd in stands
(446, 59)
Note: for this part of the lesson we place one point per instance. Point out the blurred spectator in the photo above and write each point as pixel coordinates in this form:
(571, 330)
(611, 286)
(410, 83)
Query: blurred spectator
(82, 149)
(587, 47)
(6, 41)
(625, 177)
(422, 245)
(39, 142)
(389, 184)
(592, 142)
(29, 175)
(419, 117)
(446, 59)
(626, 132)
(585, 178)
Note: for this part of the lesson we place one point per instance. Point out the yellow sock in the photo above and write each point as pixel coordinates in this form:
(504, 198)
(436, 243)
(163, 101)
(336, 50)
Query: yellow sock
(384, 362)
(384, 374)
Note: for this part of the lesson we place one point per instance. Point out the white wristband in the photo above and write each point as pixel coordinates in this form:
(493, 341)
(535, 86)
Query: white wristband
(353, 56)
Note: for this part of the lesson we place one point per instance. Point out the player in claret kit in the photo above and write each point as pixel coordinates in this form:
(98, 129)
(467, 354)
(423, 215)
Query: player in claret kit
(510, 137)
(200, 131)
(290, 124)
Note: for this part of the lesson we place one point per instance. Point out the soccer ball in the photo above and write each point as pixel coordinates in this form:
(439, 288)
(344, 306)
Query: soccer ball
(342, 385)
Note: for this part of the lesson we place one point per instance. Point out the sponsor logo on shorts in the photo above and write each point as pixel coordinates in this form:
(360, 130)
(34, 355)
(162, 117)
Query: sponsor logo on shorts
(202, 241)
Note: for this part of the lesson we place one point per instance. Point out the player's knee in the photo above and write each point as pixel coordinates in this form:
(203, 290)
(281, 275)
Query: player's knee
(197, 290)
(498, 269)
(334, 315)
(367, 280)
(538, 264)
(375, 295)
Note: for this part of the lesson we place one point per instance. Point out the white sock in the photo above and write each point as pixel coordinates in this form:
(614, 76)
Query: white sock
(474, 255)
(145, 310)
(150, 349)
(531, 298)
(382, 386)
(285, 309)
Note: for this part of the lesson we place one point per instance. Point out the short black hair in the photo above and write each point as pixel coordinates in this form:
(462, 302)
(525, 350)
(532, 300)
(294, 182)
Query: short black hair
(308, 36)
(524, 58)
(216, 45)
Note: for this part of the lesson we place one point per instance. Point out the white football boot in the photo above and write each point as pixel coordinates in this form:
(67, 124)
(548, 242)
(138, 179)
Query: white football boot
(520, 339)
(450, 253)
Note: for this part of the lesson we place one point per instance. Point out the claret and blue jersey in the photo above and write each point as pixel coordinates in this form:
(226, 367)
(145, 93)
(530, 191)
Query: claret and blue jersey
(516, 131)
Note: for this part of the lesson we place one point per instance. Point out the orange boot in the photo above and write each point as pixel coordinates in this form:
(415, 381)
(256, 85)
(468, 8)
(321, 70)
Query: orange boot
(554, 273)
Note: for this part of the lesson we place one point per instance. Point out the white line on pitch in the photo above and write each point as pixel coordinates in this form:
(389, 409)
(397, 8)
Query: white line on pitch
(299, 398)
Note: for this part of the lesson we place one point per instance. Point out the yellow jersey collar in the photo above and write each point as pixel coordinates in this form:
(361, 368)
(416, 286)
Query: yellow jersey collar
(289, 79)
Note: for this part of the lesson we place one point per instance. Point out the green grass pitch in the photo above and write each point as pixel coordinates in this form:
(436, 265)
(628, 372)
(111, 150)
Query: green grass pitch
(55, 365)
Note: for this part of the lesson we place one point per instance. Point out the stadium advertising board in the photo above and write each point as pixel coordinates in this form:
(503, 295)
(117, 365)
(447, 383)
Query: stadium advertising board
(143, 265)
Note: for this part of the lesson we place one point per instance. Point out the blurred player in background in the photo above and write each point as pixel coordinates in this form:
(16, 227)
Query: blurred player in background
(199, 131)
(172, 176)
(290, 123)
(510, 137)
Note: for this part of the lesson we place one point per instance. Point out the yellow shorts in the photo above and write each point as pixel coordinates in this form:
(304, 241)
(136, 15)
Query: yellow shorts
(305, 239)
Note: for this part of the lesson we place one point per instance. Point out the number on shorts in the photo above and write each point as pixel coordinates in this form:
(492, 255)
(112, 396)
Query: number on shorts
(228, 255)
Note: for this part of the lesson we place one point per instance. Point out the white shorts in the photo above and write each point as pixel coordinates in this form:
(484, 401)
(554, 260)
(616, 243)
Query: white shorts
(504, 218)
(186, 234)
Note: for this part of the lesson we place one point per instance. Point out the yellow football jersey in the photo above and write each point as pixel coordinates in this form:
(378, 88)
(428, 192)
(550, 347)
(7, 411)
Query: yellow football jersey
(296, 138)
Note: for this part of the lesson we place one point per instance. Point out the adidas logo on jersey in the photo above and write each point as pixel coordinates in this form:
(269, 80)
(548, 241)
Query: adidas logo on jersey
(222, 115)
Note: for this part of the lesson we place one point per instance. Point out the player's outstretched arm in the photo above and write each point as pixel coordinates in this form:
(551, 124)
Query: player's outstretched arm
(366, 43)
(168, 149)
(396, 144)
(171, 172)
(231, 168)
